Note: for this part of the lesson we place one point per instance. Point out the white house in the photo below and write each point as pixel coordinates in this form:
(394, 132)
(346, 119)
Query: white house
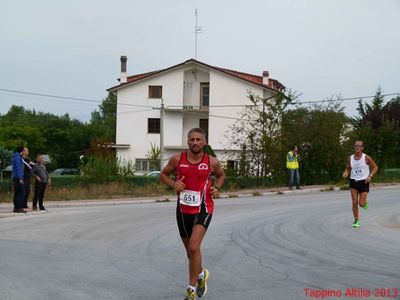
(160, 107)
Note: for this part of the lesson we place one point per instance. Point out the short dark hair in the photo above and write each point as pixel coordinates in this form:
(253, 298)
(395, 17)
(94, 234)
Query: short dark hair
(294, 147)
(20, 149)
(359, 141)
(198, 130)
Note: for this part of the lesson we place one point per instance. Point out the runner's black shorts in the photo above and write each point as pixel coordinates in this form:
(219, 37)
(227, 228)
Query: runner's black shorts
(186, 222)
(360, 185)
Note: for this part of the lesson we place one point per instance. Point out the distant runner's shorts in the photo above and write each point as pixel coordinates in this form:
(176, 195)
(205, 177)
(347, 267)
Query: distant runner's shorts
(360, 185)
(186, 222)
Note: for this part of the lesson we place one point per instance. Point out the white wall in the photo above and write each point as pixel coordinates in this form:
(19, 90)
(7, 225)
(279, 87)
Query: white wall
(193, 77)
(132, 121)
(172, 128)
(226, 90)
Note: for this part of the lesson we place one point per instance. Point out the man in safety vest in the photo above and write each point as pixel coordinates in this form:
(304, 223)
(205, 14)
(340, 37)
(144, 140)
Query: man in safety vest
(292, 163)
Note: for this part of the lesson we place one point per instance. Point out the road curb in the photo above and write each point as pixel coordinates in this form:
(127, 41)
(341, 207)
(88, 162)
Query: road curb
(6, 208)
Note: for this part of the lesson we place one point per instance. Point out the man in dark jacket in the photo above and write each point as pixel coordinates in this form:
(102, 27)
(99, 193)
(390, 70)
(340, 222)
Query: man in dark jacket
(18, 179)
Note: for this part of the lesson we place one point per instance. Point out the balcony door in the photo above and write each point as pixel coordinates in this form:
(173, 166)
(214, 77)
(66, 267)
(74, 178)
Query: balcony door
(203, 124)
(204, 94)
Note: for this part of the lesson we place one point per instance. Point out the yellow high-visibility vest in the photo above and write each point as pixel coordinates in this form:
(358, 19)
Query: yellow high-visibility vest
(292, 161)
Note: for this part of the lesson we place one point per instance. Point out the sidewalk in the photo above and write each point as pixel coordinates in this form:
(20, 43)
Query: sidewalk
(6, 208)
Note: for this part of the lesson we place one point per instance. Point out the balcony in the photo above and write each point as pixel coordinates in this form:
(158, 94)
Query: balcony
(187, 108)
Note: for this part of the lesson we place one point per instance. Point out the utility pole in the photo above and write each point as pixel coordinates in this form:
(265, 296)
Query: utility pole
(197, 30)
(162, 134)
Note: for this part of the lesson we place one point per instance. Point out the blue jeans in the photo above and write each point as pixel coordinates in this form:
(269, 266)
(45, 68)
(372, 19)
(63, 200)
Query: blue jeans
(292, 172)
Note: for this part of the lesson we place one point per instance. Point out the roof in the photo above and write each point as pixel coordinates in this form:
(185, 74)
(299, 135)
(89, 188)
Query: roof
(255, 79)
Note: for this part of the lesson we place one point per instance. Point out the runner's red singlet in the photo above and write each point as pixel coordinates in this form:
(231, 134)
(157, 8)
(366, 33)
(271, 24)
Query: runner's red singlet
(197, 185)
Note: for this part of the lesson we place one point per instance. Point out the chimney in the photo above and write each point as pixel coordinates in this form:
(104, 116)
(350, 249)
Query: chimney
(124, 78)
(265, 77)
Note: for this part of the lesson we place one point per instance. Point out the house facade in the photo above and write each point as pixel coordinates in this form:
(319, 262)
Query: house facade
(158, 108)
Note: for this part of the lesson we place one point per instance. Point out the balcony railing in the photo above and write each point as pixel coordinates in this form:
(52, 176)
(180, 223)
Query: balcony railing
(187, 108)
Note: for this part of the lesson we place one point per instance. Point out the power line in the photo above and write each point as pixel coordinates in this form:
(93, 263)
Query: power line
(211, 106)
(50, 96)
(298, 103)
(68, 98)
(348, 99)
(286, 122)
(32, 119)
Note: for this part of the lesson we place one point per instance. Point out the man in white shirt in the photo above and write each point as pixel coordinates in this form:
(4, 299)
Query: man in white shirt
(358, 166)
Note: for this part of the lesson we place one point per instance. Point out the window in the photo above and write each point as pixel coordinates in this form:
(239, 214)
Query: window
(203, 124)
(141, 164)
(204, 93)
(153, 125)
(144, 165)
(232, 166)
(155, 91)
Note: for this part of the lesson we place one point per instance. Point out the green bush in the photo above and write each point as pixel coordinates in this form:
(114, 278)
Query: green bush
(5, 186)
(142, 180)
(70, 181)
(388, 175)
(242, 182)
(65, 181)
(105, 169)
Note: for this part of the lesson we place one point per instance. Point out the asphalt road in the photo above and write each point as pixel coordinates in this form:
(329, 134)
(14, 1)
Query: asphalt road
(289, 246)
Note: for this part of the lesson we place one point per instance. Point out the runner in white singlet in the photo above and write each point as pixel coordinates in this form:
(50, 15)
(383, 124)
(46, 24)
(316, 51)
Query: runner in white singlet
(358, 166)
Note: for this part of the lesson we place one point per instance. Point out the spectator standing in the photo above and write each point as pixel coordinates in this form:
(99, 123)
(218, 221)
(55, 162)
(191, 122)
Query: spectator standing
(18, 179)
(292, 163)
(42, 179)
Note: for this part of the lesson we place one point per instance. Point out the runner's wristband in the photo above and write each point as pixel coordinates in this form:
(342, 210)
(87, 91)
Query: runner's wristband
(216, 188)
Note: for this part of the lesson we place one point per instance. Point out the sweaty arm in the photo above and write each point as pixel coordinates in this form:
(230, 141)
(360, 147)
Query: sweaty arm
(220, 177)
(348, 169)
(177, 185)
(372, 165)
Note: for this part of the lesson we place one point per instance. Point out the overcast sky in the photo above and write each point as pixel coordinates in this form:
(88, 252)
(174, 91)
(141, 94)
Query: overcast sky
(318, 48)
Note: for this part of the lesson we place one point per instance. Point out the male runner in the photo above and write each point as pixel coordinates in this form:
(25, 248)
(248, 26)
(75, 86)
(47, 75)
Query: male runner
(193, 169)
(358, 166)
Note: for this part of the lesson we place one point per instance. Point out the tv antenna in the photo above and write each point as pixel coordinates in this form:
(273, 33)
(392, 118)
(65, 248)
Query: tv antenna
(197, 30)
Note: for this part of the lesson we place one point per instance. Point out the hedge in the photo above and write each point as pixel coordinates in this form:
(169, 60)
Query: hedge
(70, 181)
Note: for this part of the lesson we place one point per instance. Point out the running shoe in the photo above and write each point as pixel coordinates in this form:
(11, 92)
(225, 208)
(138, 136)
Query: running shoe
(356, 224)
(201, 289)
(190, 294)
(366, 206)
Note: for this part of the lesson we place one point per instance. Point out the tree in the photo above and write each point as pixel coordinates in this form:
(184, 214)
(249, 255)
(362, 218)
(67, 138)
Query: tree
(101, 164)
(104, 120)
(12, 137)
(372, 114)
(377, 125)
(5, 157)
(61, 137)
(154, 157)
(257, 134)
(58, 136)
(319, 132)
